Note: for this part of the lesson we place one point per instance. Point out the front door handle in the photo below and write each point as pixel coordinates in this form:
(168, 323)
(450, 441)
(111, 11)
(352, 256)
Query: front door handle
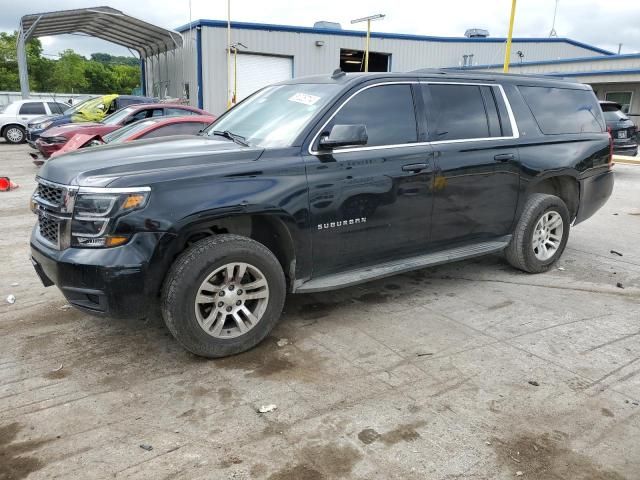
(415, 167)
(504, 157)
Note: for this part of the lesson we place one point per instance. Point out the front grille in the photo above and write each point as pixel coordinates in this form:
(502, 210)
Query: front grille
(51, 194)
(54, 205)
(49, 229)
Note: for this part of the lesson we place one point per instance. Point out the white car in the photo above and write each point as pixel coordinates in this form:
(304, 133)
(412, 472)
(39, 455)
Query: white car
(14, 117)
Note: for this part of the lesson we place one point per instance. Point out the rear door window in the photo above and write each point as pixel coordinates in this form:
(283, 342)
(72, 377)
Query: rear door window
(32, 108)
(386, 110)
(564, 110)
(55, 107)
(458, 112)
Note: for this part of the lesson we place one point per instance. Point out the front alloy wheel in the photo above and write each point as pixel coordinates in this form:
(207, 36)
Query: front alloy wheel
(223, 295)
(232, 300)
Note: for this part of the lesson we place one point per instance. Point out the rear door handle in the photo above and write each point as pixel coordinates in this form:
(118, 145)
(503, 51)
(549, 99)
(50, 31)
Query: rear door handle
(504, 157)
(415, 167)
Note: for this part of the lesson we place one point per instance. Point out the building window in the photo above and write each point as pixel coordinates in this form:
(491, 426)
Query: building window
(353, 61)
(623, 98)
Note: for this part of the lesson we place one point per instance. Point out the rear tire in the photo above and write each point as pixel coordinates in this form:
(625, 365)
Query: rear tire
(223, 295)
(14, 134)
(541, 234)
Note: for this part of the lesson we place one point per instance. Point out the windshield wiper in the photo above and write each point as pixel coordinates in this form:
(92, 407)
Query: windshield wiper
(239, 139)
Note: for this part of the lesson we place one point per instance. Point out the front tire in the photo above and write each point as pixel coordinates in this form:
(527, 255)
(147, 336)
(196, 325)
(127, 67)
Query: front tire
(14, 134)
(541, 234)
(223, 295)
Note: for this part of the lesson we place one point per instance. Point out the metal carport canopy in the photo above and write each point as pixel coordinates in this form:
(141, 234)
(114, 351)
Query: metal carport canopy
(101, 22)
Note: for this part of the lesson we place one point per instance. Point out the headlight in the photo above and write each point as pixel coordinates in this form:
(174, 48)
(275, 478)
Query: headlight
(94, 213)
(54, 139)
(44, 124)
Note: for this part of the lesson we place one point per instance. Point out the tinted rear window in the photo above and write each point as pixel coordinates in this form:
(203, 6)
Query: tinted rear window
(564, 110)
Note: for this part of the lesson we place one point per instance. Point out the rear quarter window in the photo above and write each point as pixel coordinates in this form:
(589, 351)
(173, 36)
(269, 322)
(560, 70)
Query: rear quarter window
(564, 110)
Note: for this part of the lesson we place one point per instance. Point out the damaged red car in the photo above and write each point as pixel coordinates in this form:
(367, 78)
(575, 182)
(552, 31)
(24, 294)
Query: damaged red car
(55, 138)
(142, 129)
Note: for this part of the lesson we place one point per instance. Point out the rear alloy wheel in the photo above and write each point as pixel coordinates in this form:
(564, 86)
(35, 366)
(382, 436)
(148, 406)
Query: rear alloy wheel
(223, 295)
(14, 134)
(547, 235)
(540, 235)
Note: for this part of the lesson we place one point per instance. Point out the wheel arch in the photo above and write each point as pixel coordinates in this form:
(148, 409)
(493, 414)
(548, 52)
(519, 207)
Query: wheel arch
(11, 124)
(276, 232)
(564, 185)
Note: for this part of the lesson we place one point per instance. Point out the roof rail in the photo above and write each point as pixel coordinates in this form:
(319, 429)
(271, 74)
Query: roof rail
(441, 71)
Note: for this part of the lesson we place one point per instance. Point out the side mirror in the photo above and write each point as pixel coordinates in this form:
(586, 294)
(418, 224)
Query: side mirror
(344, 136)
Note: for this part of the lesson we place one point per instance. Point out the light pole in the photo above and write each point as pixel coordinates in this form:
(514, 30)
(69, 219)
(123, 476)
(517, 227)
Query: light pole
(507, 52)
(228, 54)
(234, 97)
(379, 16)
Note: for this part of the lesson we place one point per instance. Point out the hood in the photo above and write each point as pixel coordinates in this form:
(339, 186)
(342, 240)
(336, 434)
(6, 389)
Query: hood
(70, 129)
(70, 126)
(76, 141)
(113, 165)
(41, 119)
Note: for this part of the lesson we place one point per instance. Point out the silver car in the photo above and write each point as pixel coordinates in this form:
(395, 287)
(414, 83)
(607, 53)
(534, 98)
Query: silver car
(14, 117)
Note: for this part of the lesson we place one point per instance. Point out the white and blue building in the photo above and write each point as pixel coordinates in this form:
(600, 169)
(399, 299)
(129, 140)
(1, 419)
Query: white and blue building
(272, 53)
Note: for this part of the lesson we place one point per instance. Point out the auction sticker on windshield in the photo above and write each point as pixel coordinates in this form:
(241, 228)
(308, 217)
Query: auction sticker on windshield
(304, 98)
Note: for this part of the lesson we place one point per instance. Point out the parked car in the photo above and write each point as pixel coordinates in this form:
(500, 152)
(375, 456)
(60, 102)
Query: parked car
(622, 128)
(145, 128)
(55, 138)
(93, 109)
(15, 116)
(216, 229)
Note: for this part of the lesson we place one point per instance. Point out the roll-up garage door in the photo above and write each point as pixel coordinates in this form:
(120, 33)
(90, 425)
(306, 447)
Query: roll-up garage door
(257, 71)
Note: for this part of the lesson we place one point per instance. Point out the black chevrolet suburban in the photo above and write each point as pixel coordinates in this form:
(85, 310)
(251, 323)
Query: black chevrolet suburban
(315, 184)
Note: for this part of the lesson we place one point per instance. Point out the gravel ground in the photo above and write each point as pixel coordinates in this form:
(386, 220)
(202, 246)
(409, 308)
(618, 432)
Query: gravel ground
(471, 370)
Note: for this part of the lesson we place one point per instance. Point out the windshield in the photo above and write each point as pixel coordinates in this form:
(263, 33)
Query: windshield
(116, 117)
(122, 134)
(88, 103)
(275, 116)
(615, 116)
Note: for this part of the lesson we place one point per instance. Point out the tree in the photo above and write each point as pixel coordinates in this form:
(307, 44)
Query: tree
(107, 59)
(9, 79)
(70, 73)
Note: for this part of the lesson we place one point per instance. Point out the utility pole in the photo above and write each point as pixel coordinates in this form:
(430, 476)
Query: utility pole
(229, 105)
(379, 16)
(507, 52)
(234, 97)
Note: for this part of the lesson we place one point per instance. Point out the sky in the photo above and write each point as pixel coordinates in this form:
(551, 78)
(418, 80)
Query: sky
(602, 23)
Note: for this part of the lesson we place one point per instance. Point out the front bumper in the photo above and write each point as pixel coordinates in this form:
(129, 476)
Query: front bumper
(119, 282)
(47, 149)
(33, 134)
